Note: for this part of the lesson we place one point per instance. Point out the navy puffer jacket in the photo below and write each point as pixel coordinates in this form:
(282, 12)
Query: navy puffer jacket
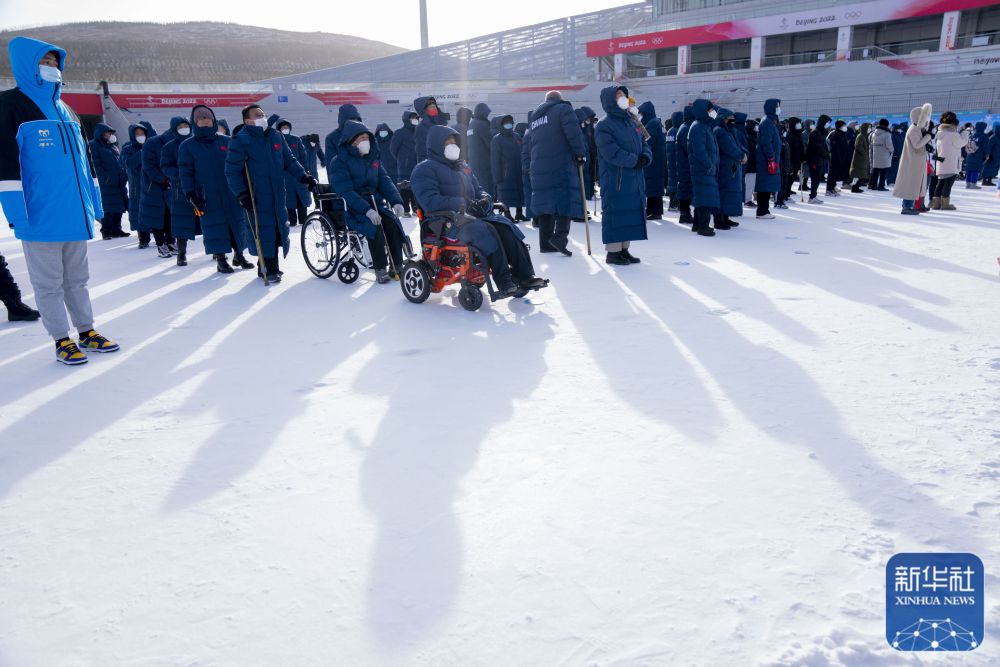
(623, 184)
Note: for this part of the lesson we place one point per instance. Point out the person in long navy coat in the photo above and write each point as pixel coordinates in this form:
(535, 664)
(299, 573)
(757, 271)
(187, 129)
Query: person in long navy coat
(111, 178)
(676, 120)
(314, 154)
(132, 159)
(656, 170)
(331, 144)
(154, 216)
(462, 119)
(685, 192)
(623, 154)
(526, 174)
(184, 225)
(974, 161)
(262, 151)
(383, 137)
(445, 183)
(480, 138)
(505, 166)
(703, 158)
(557, 148)
(298, 199)
(768, 158)
(361, 179)
(404, 151)
(201, 165)
(592, 168)
(430, 116)
(730, 176)
(585, 126)
(992, 165)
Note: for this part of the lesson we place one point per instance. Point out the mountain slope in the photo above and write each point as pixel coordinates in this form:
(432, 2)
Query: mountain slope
(197, 52)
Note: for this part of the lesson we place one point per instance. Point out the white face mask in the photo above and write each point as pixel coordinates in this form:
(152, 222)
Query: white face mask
(798, 126)
(364, 147)
(285, 130)
(112, 139)
(777, 112)
(260, 122)
(183, 131)
(50, 74)
(713, 114)
(843, 128)
(314, 144)
(622, 103)
(140, 139)
(383, 134)
(452, 152)
(414, 121)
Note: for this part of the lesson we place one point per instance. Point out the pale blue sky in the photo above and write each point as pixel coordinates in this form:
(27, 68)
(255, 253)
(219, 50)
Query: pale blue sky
(393, 21)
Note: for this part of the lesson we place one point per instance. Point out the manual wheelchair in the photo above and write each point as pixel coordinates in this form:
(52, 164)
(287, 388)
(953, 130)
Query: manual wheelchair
(329, 246)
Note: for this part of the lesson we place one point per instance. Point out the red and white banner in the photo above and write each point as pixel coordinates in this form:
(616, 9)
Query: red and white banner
(184, 101)
(812, 19)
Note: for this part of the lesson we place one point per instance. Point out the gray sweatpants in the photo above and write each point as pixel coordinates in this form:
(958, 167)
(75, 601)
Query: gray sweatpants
(616, 247)
(59, 273)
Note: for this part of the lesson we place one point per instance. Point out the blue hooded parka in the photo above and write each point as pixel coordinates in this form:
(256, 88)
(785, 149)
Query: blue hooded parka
(183, 223)
(730, 176)
(623, 184)
(155, 188)
(404, 149)
(355, 177)
(703, 157)
(676, 120)
(685, 192)
(656, 170)
(110, 168)
(480, 139)
(132, 159)
(556, 139)
(505, 165)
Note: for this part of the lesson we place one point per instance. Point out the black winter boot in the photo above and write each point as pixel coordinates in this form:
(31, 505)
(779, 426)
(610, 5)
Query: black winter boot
(617, 259)
(182, 246)
(630, 257)
(223, 263)
(241, 261)
(18, 311)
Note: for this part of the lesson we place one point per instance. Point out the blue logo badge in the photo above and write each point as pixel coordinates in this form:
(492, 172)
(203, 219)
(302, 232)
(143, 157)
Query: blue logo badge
(934, 602)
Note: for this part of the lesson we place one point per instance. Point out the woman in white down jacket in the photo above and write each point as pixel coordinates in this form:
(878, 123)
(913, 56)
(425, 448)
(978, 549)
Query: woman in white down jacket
(948, 144)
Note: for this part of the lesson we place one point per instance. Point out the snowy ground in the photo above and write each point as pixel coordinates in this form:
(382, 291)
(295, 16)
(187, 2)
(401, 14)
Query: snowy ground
(702, 460)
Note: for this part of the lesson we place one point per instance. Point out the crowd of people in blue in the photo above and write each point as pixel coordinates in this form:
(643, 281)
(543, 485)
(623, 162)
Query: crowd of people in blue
(240, 192)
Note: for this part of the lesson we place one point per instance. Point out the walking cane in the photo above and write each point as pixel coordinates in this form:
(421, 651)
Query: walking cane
(255, 227)
(586, 216)
(385, 238)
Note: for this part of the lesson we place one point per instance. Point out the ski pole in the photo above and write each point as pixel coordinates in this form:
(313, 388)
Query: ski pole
(255, 227)
(586, 217)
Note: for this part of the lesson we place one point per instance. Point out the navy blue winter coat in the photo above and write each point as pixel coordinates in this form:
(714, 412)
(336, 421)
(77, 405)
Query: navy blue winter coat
(992, 166)
(656, 170)
(556, 139)
(592, 170)
(201, 163)
(975, 161)
(132, 159)
(426, 122)
(676, 120)
(462, 119)
(588, 181)
(526, 171)
(110, 168)
(384, 145)
(296, 193)
(183, 224)
(266, 155)
(505, 166)
(155, 193)
(331, 144)
(480, 139)
(403, 148)
(314, 155)
(355, 177)
(685, 191)
(623, 184)
(703, 157)
(768, 148)
(730, 176)
(442, 185)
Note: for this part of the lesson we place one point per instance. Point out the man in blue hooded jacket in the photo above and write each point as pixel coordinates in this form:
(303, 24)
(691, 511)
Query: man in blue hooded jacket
(331, 144)
(297, 196)
(685, 192)
(132, 159)
(430, 116)
(404, 152)
(676, 120)
(656, 170)
(558, 148)
(259, 153)
(49, 194)
(768, 158)
(154, 214)
(703, 158)
(479, 140)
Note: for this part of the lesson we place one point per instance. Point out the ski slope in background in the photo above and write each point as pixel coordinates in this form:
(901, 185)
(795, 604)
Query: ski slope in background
(702, 460)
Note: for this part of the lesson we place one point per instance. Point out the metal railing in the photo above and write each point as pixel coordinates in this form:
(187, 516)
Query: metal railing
(786, 59)
(870, 52)
(719, 66)
(897, 103)
(915, 46)
(981, 39)
(642, 72)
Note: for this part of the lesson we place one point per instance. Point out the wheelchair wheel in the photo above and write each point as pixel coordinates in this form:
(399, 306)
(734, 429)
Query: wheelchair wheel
(415, 281)
(348, 272)
(321, 245)
(470, 298)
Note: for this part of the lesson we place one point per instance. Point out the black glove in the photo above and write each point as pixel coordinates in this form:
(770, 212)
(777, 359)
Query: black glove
(939, 158)
(196, 200)
(479, 208)
(308, 181)
(245, 200)
(580, 159)
(643, 161)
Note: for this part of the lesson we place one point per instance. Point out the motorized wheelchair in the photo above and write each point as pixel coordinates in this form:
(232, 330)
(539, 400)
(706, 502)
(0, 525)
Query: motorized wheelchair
(447, 261)
(329, 246)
